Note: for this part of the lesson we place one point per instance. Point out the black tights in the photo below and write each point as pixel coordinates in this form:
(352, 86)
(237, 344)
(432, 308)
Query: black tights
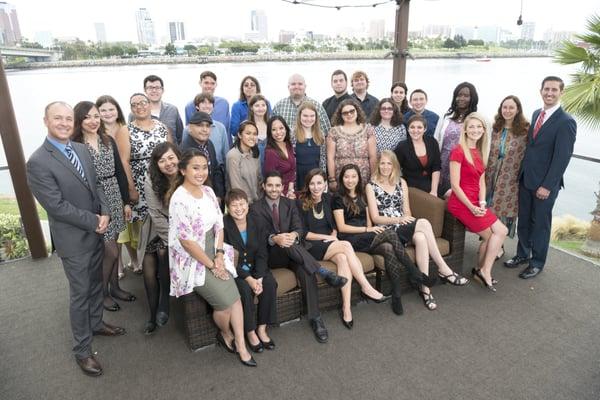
(157, 281)
(110, 268)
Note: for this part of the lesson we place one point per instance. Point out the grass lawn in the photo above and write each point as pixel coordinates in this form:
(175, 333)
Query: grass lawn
(9, 206)
(574, 246)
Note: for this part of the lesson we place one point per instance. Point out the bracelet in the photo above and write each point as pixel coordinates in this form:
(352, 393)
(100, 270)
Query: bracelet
(482, 203)
(220, 251)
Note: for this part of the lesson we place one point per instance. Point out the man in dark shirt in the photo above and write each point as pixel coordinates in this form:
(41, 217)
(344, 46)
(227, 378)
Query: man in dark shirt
(418, 101)
(199, 132)
(339, 84)
(360, 84)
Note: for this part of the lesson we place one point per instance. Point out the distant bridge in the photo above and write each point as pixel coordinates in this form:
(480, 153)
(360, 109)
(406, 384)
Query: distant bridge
(32, 54)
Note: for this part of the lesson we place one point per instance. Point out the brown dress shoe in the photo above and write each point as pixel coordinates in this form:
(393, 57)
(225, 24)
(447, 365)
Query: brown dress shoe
(89, 365)
(109, 330)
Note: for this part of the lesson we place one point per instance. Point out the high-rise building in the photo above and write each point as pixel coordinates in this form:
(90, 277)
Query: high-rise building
(258, 23)
(527, 30)
(176, 31)
(100, 32)
(286, 36)
(145, 27)
(443, 31)
(10, 32)
(377, 29)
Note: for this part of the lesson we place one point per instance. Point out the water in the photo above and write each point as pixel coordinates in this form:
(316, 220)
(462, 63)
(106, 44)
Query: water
(32, 90)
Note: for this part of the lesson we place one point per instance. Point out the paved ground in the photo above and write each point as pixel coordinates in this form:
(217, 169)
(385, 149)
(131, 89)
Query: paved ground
(534, 339)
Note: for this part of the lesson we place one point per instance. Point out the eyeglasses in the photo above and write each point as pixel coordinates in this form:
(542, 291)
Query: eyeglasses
(154, 88)
(348, 112)
(142, 103)
(387, 108)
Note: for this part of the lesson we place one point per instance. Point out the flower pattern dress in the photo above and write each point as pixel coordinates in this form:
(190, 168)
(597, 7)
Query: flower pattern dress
(449, 141)
(190, 218)
(104, 164)
(392, 205)
(506, 155)
(142, 143)
(352, 148)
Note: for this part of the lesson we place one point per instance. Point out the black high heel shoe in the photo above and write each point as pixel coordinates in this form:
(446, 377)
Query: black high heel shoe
(259, 348)
(454, 279)
(494, 281)
(479, 276)
(347, 324)
(270, 345)
(221, 341)
(248, 363)
(366, 297)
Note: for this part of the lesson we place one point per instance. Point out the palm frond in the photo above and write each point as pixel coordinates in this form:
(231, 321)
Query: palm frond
(581, 98)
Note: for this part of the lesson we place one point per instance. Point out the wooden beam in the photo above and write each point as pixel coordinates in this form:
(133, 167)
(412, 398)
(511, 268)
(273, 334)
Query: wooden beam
(401, 41)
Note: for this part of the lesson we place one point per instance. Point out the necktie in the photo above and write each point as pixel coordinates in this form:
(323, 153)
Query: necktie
(275, 214)
(74, 160)
(538, 123)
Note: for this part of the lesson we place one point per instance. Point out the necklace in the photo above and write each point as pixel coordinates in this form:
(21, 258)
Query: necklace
(320, 214)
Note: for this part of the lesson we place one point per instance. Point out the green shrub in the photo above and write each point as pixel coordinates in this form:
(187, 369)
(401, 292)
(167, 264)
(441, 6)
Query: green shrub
(13, 243)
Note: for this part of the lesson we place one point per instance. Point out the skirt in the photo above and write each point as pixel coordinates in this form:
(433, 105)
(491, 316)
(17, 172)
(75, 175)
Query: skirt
(359, 241)
(318, 248)
(405, 232)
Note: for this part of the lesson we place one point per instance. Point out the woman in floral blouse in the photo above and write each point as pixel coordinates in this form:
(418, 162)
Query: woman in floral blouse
(196, 245)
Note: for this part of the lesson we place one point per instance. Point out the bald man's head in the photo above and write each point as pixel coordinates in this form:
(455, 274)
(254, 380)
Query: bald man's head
(297, 87)
(59, 119)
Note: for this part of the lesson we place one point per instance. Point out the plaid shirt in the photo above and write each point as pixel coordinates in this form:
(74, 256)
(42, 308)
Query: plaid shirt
(289, 111)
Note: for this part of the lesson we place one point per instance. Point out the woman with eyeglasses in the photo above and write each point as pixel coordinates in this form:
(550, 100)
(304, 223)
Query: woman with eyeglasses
(135, 143)
(350, 141)
(389, 129)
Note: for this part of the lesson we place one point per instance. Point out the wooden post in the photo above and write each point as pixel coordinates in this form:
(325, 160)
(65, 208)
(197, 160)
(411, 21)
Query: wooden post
(401, 40)
(13, 151)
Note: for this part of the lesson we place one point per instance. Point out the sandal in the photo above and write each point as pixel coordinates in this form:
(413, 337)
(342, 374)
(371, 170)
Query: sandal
(479, 276)
(428, 300)
(457, 281)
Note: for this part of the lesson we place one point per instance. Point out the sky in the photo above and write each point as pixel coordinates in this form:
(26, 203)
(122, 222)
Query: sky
(232, 17)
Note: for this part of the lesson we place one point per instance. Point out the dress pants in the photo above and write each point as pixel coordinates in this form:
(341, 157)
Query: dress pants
(267, 303)
(84, 273)
(534, 225)
(303, 264)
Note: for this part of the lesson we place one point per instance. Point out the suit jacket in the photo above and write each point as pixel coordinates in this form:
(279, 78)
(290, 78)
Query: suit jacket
(253, 253)
(412, 170)
(308, 219)
(548, 155)
(289, 217)
(72, 203)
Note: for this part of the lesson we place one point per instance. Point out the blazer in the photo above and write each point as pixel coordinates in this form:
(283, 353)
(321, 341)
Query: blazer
(327, 211)
(412, 170)
(253, 253)
(72, 202)
(289, 217)
(548, 155)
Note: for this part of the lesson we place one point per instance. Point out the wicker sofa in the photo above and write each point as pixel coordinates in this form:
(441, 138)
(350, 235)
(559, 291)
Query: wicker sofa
(450, 235)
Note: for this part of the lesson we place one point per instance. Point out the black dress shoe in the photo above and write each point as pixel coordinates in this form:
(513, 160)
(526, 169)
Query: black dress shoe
(347, 324)
(397, 305)
(221, 341)
(318, 327)
(334, 280)
(161, 318)
(109, 330)
(124, 296)
(270, 345)
(89, 365)
(149, 328)
(259, 348)
(248, 363)
(530, 272)
(515, 261)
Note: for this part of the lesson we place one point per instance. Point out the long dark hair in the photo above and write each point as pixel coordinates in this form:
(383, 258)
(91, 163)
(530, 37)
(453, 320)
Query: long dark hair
(453, 111)
(344, 193)
(109, 99)
(80, 111)
(307, 201)
(520, 124)
(337, 119)
(237, 143)
(271, 140)
(183, 163)
(160, 182)
(404, 105)
(244, 79)
(396, 116)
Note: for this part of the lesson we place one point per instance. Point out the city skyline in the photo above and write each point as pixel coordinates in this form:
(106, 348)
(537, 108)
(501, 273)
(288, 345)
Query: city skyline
(224, 20)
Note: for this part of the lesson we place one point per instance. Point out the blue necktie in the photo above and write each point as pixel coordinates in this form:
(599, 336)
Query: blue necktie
(74, 160)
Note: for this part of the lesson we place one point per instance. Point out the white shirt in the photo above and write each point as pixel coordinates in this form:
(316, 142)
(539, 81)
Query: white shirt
(548, 112)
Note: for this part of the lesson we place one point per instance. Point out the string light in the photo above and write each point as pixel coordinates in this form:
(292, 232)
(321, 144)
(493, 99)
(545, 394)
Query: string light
(339, 7)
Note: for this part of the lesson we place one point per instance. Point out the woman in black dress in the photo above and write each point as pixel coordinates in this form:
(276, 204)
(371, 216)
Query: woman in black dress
(323, 244)
(419, 157)
(254, 276)
(355, 226)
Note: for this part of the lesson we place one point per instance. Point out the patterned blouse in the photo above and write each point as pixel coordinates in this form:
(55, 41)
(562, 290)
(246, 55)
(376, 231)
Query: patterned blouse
(389, 204)
(189, 219)
(388, 139)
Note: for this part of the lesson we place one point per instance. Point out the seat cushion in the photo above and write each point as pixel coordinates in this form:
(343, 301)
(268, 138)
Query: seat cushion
(424, 205)
(286, 280)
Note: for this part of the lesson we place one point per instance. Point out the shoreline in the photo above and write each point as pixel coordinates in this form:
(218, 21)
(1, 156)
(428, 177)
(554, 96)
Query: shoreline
(276, 57)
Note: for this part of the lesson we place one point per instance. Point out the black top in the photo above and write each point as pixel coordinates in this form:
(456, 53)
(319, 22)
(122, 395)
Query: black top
(311, 224)
(217, 175)
(350, 218)
(331, 104)
(253, 253)
(412, 169)
(368, 104)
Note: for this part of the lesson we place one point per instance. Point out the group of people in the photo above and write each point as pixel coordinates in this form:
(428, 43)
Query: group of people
(301, 182)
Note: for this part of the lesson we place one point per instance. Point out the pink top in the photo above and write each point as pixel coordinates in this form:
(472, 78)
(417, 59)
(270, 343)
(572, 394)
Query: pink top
(287, 168)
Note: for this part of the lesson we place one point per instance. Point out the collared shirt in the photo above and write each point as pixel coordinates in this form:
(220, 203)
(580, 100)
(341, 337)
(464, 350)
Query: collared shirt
(63, 148)
(218, 137)
(289, 111)
(220, 111)
(549, 113)
(270, 203)
(368, 104)
(431, 118)
(331, 104)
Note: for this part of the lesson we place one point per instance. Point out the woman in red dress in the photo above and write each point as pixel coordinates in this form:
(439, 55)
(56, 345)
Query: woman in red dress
(467, 201)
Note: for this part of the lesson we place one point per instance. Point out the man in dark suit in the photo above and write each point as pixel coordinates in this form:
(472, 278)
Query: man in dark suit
(281, 218)
(61, 175)
(550, 144)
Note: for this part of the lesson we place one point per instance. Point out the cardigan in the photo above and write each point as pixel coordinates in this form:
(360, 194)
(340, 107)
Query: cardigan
(412, 169)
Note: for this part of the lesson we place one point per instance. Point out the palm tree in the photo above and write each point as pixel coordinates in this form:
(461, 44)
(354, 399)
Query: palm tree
(582, 99)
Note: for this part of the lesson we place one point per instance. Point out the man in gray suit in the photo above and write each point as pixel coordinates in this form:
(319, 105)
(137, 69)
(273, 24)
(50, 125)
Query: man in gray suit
(61, 176)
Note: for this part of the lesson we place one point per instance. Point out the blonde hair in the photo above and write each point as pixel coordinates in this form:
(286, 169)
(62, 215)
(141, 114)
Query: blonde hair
(396, 174)
(316, 128)
(483, 144)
